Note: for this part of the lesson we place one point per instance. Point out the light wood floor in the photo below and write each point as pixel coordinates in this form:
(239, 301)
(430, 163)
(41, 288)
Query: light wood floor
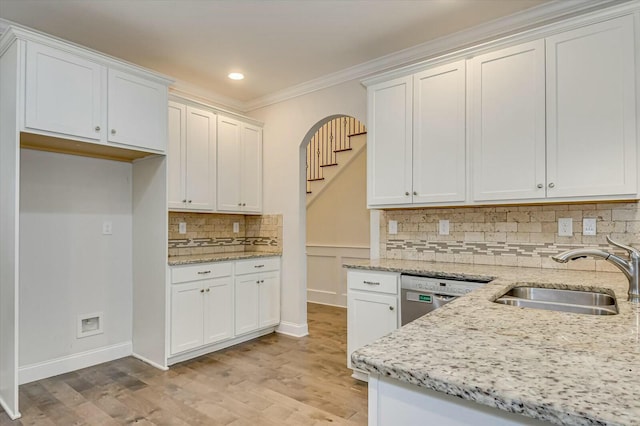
(273, 380)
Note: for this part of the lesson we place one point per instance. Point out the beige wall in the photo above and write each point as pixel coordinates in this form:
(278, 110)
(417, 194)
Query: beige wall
(339, 216)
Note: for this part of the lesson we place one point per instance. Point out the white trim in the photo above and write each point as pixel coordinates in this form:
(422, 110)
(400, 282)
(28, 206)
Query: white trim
(4, 24)
(151, 363)
(65, 364)
(5, 407)
(374, 234)
(536, 16)
(196, 93)
(293, 329)
(200, 102)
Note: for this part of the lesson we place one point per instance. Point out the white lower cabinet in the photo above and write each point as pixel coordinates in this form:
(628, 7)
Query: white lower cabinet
(372, 308)
(215, 305)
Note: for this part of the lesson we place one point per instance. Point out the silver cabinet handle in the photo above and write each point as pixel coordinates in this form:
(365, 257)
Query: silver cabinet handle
(259, 266)
(391, 308)
(540, 185)
(97, 128)
(551, 185)
(371, 282)
(113, 131)
(203, 272)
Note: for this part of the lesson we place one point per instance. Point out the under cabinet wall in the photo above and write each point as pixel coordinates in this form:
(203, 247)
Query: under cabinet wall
(67, 266)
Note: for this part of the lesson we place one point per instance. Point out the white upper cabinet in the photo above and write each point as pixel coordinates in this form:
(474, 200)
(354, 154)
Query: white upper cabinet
(439, 166)
(507, 123)
(64, 93)
(137, 112)
(239, 166)
(72, 93)
(192, 151)
(389, 142)
(591, 111)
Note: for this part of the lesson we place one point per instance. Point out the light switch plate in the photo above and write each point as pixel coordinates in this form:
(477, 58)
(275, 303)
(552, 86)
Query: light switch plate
(393, 227)
(182, 228)
(107, 228)
(443, 227)
(565, 227)
(589, 226)
(236, 227)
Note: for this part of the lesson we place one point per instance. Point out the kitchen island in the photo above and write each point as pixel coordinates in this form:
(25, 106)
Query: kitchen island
(555, 367)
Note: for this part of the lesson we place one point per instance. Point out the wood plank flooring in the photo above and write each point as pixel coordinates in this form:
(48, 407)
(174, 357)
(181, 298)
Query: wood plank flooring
(273, 380)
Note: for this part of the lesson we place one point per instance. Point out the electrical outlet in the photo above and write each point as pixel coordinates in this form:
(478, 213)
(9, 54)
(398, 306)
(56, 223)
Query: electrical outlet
(393, 227)
(107, 228)
(236, 227)
(182, 228)
(443, 227)
(589, 226)
(565, 227)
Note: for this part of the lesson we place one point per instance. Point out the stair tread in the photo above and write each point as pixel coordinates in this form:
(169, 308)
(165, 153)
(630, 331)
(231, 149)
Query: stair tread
(343, 149)
(312, 180)
(327, 165)
(357, 134)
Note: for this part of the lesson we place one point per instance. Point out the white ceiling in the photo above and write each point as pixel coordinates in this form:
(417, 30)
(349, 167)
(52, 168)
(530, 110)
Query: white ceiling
(277, 44)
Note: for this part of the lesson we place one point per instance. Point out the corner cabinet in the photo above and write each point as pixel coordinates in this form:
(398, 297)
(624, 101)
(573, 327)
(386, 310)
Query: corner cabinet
(239, 166)
(216, 305)
(416, 146)
(372, 309)
(191, 159)
(72, 93)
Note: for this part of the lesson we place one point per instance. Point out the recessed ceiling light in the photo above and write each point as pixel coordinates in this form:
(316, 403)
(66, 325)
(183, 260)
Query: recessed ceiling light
(236, 76)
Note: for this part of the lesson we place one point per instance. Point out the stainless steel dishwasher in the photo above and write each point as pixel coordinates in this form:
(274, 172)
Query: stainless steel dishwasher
(421, 295)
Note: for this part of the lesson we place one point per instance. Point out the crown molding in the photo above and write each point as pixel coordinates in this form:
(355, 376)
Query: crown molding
(200, 102)
(4, 24)
(197, 93)
(519, 21)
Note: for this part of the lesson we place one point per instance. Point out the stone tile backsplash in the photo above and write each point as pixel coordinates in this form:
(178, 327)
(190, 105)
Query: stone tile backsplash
(213, 233)
(507, 235)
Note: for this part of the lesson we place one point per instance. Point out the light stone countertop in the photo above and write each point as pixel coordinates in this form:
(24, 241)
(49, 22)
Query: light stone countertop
(218, 257)
(565, 368)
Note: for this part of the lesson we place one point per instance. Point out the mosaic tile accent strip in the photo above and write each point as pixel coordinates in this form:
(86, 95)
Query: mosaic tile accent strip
(223, 242)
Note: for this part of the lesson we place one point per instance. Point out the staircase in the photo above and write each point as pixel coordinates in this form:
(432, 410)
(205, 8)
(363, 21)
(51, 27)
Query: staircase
(330, 150)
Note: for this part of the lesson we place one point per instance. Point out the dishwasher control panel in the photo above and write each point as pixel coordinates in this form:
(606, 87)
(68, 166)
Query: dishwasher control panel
(438, 286)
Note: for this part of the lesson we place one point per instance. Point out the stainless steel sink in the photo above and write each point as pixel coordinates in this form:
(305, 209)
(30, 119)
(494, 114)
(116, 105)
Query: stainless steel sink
(555, 299)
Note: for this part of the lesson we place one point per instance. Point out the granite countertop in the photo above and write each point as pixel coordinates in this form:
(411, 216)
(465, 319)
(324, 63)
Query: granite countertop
(564, 368)
(218, 257)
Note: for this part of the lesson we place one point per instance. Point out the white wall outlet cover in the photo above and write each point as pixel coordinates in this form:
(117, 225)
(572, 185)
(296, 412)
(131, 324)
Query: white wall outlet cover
(90, 325)
(565, 227)
(107, 228)
(393, 227)
(236, 227)
(589, 226)
(443, 227)
(182, 228)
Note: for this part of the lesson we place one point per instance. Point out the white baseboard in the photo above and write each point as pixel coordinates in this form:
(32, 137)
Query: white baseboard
(10, 413)
(151, 363)
(65, 364)
(292, 329)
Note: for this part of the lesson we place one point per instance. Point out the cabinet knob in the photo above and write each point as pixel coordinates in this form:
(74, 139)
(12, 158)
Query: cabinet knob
(415, 193)
(540, 185)
(208, 290)
(113, 131)
(189, 201)
(184, 201)
(258, 282)
(239, 204)
(551, 185)
(202, 291)
(391, 308)
(244, 204)
(406, 193)
(97, 128)
(261, 281)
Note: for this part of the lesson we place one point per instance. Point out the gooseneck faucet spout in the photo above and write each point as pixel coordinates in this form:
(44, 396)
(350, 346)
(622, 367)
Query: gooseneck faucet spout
(630, 267)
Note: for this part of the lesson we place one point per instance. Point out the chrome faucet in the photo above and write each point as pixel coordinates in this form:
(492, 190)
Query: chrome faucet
(629, 267)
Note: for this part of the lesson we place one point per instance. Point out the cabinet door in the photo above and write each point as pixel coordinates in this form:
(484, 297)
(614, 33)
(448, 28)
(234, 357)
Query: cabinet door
(247, 305)
(177, 155)
(439, 167)
(200, 159)
(508, 123)
(369, 316)
(64, 93)
(389, 173)
(186, 316)
(229, 177)
(218, 310)
(591, 111)
(269, 293)
(137, 112)
(251, 169)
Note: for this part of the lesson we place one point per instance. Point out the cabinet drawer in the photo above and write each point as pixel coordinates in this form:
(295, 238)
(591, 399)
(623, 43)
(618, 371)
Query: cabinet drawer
(373, 281)
(203, 271)
(257, 265)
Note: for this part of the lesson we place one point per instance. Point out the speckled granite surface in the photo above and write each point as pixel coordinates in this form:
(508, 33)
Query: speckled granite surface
(217, 257)
(568, 369)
